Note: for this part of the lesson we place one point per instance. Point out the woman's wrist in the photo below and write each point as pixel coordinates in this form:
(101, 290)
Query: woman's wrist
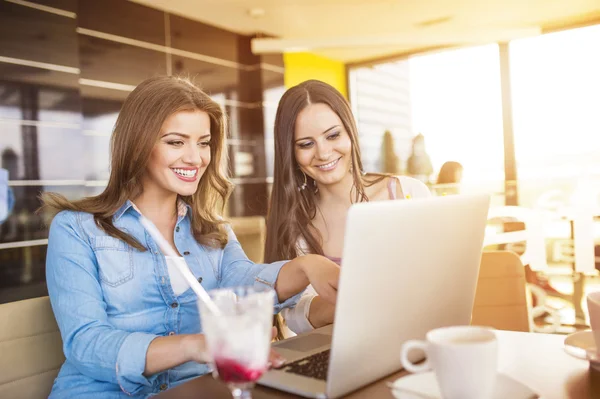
(194, 348)
(320, 312)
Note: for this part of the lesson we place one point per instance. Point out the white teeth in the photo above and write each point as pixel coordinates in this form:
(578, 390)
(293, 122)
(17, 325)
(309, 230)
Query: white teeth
(328, 165)
(185, 172)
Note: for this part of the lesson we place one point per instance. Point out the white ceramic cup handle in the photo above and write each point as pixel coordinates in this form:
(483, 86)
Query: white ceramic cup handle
(407, 364)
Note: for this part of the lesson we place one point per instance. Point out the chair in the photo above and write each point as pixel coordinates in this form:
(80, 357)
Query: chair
(501, 299)
(31, 349)
(532, 234)
(251, 233)
(533, 254)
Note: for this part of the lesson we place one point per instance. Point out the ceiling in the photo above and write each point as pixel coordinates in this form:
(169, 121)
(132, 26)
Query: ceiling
(359, 30)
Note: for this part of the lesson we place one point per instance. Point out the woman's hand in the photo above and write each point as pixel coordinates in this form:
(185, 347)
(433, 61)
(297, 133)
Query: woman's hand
(194, 348)
(275, 359)
(167, 352)
(323, 274)
(317, 270)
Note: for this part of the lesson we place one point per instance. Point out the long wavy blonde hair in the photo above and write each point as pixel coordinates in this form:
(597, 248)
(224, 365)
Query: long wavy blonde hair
(135, 134)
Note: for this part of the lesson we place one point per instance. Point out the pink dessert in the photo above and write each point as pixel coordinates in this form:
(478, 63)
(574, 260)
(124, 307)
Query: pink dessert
(232, 371)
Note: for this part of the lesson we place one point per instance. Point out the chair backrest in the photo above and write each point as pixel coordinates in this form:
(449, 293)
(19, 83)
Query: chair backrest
(532, 235)
(30, 349)
(501, 299)
(251, 232)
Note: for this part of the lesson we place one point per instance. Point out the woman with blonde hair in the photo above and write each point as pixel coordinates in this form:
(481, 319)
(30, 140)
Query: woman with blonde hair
(130, 325)
(318, 176)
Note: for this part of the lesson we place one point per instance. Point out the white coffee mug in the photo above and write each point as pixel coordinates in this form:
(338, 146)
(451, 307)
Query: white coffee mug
(464, 359)
(593, 303)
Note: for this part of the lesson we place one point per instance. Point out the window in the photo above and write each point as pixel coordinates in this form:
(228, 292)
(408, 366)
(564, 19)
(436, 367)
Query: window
(556, 104)
(457, 105)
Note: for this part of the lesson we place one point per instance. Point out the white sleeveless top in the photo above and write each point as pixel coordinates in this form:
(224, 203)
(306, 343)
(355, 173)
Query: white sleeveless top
(178, 283)
(296, 318)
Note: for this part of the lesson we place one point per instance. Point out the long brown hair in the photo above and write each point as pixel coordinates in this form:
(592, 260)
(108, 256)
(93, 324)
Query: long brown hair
(448, 172)
(291, 211)
(135, 133)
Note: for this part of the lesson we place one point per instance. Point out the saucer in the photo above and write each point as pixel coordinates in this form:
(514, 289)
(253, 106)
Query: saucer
(583, 346)
(424, 386)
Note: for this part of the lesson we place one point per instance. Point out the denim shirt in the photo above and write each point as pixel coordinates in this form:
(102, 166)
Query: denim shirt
(111, 300)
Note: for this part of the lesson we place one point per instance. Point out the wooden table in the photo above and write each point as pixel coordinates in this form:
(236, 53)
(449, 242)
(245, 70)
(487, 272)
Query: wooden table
(537, 360)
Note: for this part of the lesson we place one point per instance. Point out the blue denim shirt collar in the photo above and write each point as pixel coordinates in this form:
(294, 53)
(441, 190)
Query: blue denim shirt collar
(183, 209)
(128, 204)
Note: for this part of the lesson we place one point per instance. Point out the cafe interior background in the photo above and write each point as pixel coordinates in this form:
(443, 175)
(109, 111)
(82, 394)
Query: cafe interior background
(508, 89)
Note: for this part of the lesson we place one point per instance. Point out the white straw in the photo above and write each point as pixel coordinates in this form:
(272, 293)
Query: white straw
(167, 250)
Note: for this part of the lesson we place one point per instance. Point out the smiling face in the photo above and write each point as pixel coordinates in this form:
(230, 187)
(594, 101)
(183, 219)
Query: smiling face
(181, 155)
(322, 146)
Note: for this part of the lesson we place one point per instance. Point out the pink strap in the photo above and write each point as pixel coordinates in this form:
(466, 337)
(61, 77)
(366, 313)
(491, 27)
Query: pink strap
(392, 188)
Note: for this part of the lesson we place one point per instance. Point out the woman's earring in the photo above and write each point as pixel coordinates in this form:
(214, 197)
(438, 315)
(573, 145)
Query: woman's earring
(303, 186)
(351, 167)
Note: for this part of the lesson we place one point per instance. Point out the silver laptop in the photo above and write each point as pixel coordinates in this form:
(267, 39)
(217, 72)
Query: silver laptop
(408, 267)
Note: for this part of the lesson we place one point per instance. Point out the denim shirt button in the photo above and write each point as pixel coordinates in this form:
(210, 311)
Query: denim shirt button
(174, 305)
(171, 332)
(186, 253)
(177, 229)
(163, 387)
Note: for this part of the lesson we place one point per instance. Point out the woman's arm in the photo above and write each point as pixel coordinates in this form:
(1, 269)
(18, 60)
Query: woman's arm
(311, 312)
(167, 352)
(317, 270)
(321, 313)
(288, 278)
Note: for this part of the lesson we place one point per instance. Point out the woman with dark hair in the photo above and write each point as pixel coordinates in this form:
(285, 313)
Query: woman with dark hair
(318, 176)
(450, 172)
(130, 325)
(449, 177)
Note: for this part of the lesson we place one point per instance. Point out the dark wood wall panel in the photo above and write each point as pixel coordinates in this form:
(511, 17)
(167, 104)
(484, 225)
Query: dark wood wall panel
(123, 18)
(64, 74)
(189, 35)
(30, 34)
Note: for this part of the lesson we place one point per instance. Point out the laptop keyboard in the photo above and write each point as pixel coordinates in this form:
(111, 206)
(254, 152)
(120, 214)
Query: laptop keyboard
(313, 366)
